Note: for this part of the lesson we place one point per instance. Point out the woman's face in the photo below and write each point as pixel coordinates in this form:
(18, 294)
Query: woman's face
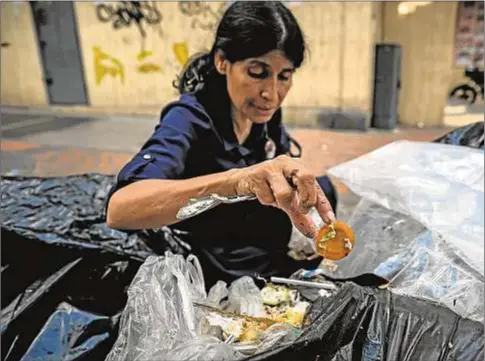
(257, 86)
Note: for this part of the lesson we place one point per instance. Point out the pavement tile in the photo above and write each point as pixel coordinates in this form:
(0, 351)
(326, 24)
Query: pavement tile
(321, 150)
(16, 145)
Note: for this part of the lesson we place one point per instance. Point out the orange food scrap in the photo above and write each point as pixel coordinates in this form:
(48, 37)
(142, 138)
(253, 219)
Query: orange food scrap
(335, 241)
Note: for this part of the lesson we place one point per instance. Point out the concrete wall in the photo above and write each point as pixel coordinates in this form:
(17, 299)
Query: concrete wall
(131, 69)
(427, 40)
(128, 70)
(336, 75)
(123, 67)
(20, 68)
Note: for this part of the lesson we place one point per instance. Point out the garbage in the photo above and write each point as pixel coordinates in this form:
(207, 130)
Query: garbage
(420, 221)
(335, 241)
(369, 324)
(65, 277)
(471, 135)
(168, 307)
(166, 319)
(62, 266)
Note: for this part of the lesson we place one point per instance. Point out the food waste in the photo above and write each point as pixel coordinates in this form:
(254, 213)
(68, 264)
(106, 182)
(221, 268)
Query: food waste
(335, 241)
(283, 310)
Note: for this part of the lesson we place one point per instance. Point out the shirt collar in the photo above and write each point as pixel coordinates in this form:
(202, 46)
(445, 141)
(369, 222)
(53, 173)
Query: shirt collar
(220, 113)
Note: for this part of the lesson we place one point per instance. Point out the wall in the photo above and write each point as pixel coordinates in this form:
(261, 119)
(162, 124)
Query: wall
(20, 67)
(136, 65)
(427, 40)
(336, 75)
(130, 69)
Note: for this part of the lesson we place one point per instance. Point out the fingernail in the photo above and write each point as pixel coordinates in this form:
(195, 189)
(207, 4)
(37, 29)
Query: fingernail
(331, 216)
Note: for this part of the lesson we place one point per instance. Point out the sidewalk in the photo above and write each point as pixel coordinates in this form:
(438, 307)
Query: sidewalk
(55, 145)
(46, 145)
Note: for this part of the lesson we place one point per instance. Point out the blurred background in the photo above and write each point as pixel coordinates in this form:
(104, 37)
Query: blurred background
(83, 83)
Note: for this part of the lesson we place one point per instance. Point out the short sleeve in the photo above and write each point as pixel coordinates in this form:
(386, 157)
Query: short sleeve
(163, 154)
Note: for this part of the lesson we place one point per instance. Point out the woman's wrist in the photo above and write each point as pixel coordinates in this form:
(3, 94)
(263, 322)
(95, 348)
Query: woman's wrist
(237, 181)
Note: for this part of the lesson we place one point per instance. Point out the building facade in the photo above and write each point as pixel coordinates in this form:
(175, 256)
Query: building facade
(122, 58)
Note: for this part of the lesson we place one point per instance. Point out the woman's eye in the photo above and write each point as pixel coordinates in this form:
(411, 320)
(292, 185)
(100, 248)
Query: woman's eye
(258, 73)
(284, 76)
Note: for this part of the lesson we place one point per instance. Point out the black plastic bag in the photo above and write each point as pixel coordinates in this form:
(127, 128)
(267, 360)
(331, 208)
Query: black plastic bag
(471, 135)
(368, 324)
(58, 254)
(65, 275)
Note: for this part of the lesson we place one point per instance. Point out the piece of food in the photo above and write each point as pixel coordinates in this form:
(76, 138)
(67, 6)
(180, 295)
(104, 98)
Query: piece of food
(251, 332)
(335, 241)
(275, 295)
(294, 315)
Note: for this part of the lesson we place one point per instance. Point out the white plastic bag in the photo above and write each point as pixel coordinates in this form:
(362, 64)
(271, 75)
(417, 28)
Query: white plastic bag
(159, 317)
(420, 222)
(439, 185)
(428, 269)
(160, 321)
(245, 298)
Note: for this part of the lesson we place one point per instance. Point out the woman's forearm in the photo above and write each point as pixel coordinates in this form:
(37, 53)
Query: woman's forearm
(154, 203)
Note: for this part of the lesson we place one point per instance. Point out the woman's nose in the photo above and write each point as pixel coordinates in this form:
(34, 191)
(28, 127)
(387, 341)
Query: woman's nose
(270, 90)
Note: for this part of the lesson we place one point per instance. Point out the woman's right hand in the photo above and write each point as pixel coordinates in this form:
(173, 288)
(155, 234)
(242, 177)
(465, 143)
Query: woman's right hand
(286, 183)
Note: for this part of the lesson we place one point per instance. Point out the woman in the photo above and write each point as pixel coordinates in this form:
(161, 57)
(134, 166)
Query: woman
(224, 135)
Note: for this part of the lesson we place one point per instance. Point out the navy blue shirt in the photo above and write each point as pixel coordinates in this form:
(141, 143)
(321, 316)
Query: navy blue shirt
(196, 137)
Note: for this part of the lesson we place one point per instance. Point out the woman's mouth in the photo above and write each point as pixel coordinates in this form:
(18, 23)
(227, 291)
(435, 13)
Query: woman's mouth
(264, 110)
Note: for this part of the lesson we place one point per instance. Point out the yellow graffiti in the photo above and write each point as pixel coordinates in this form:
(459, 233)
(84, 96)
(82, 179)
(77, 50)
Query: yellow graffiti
(144, 54)
(105, 64)
(147, 67)
(181, 52)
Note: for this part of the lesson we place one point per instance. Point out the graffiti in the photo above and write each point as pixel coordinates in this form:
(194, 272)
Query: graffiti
(126, 13)
(203, 15)
(147, 67)
(105, 64)
(181, 52)
(143, 55)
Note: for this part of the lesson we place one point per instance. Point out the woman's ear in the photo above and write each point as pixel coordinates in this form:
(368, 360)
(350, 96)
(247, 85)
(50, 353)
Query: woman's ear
(220, 62)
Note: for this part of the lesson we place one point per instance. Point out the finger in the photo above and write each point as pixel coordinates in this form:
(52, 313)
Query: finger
(307, 191)
(282, 191)
(323, 206)
(303, 222)
(305, 184)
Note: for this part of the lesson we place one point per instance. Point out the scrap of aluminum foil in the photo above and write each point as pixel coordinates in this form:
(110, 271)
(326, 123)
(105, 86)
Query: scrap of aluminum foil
(199, 205)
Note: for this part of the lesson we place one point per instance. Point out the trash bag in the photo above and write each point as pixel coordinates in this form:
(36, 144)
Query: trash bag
(65, 276)
(64, 272)
(440, 186)
(368, 324)
(69, 212)
(161, 322)
(471, 135)
(420, 221)
(77, 334)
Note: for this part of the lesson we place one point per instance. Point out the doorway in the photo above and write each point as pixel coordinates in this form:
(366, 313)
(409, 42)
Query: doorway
(58, 44)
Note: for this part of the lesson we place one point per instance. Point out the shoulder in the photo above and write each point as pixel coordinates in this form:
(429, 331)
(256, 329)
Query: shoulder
(187, 111)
